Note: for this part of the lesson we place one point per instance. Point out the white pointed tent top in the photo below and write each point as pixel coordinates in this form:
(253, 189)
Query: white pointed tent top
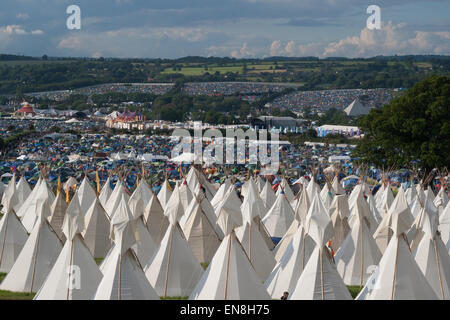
(139, 199)
(123, 230)
(267, 194)
(115, 198)
(43, 210)
(302, 208)
(174, 209)
(106, 192)
(10, 199)
(411, 194)
(164, 193)
(86, 195)
(318, 223)
(400, 214)
(70, 182)
(312, 189)
(228, 212)
(340, 204)
(441, 199)
(252, 206)
(220, 194)
(430, 223)
(444, 217)
(73, 223)
(337, 187)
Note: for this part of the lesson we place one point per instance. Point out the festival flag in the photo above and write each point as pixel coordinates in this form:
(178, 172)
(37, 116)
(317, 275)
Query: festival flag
(67, 193)
(58, 188)
(97, 180)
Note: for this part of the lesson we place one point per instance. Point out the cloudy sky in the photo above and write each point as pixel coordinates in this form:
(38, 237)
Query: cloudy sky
(233, 28)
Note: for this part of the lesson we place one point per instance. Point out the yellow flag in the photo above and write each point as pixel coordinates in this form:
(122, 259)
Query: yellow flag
(97, 180)
(67, 193)
(137, 181)
(58, 188)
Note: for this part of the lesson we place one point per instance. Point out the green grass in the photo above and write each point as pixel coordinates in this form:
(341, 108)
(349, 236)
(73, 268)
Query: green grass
(8, 295)
(204, 265)
(354, 290)
(174, 298)
(98, 261)
(2, 276)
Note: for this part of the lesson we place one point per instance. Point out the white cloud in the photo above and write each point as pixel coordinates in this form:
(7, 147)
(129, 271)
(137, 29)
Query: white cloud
(390, 40)
(22, 16)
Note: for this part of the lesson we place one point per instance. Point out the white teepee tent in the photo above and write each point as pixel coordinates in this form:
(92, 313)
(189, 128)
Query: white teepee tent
(432, 256)
(398, 276)
(12, 233)
(96, 230)
(23, 191)
(164, 194)
(75, 275)
(105, 193)
(86, 195)
(230, 275)
(358, 252)
(37, 256)
(157, 223)
(58, 211)
(279, 217)
(339, 213)
(123, 277)
(267, 195)
(444, 226)
(320, 279)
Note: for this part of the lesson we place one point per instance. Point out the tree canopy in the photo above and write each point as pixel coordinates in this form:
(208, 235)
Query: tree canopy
(412, 128)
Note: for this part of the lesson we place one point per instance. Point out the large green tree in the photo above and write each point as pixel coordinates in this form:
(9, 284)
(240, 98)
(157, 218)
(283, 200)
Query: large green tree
(414, 127)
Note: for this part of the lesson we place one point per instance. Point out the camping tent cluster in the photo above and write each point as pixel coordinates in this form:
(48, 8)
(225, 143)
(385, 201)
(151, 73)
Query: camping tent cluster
(193, 240)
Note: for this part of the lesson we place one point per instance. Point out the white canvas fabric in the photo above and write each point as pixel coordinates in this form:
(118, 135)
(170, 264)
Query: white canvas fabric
(267, 195)
(220, 194)
(286, 272)
(75, 275)
(9, 198)
(373, 208)
(228, 212)
(337, 187)
(312, 189)
(416, 232)
(12, 239)
(385, 200)
(164, 194)
(86, 195)
(123, 276)
(257, 251)
(326, 195)
(411, 194)
(441, 200)
(29, 217)
(173, 270)
(398, 208)
(30, 201)
(230, 276)
(105, 193)
(433, 258)
(195, 178)
(144, 247)
(37, 256)
(70, 182)
(301, 211)
(124, 279)
(139, 199)
(157, 223)
(115, 198)
(58, 212)
(358, 253)
(320, 280)
(23, 191)
(398, 276)
(174, 209)
(185, 195)
(279, 217)
(444, 226)
(287, 190)
(96, 231)
(364, 208)
(200, 231)
(339, 213)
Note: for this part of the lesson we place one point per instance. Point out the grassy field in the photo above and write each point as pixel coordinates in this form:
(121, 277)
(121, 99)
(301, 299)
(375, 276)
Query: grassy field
(8, 295)
(198, 71)
(27, 62)
(354, 290)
